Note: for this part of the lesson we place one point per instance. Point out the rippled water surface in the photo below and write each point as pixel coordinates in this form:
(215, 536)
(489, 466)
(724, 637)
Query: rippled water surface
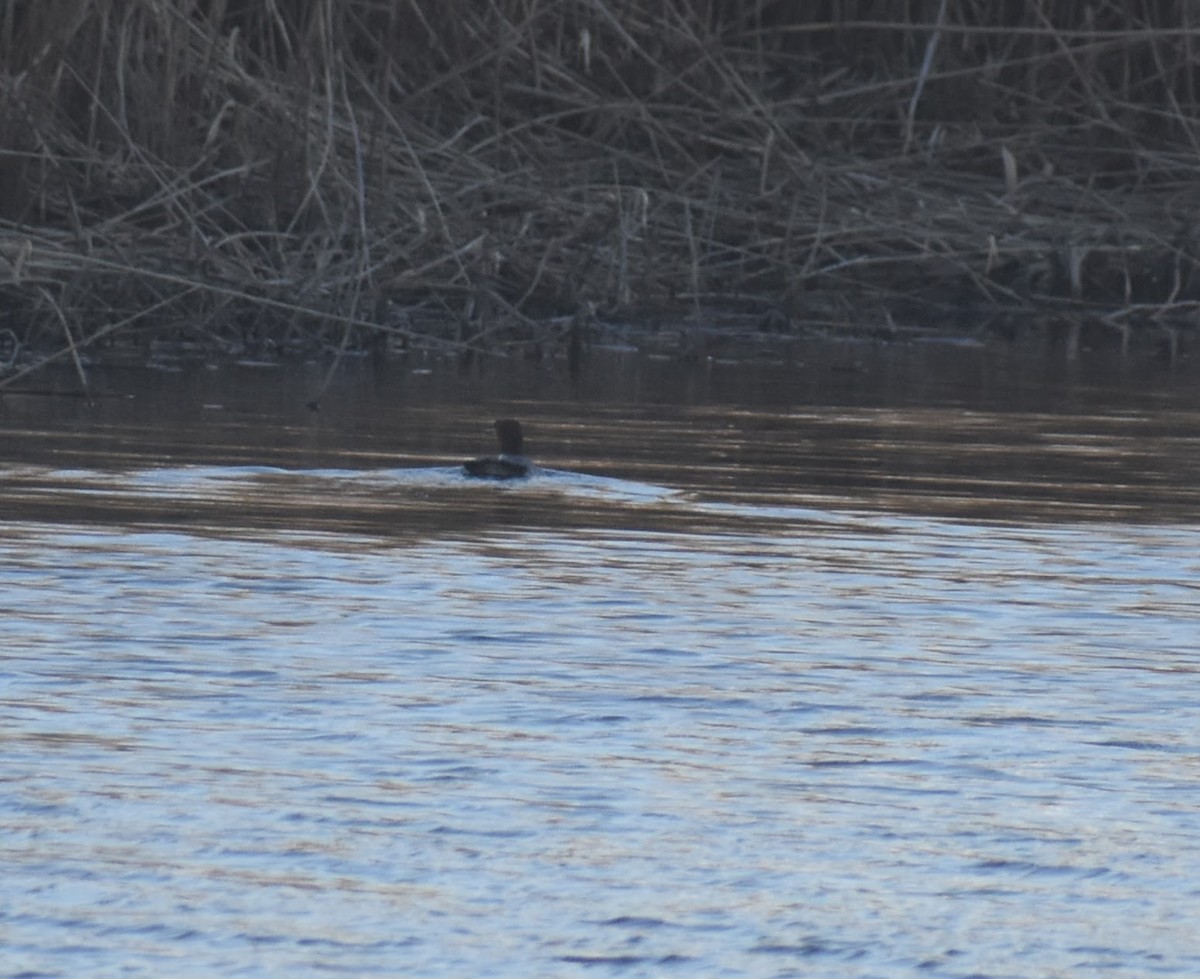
(890, 674)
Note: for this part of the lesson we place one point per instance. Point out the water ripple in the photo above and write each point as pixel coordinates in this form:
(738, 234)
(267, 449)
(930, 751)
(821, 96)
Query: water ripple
(867, 744)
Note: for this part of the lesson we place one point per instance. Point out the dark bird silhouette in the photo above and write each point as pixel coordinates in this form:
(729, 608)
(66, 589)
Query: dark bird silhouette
(511, 463)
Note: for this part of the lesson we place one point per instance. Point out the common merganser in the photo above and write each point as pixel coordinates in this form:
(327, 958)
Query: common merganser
(512, 463)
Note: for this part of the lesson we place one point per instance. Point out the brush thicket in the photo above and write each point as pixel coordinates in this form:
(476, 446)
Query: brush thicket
(320, 172)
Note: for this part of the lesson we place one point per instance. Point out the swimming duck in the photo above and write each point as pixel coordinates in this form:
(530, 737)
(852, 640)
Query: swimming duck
(512, 463)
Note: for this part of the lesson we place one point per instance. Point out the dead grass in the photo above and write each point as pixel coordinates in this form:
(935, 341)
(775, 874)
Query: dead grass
(274, 175)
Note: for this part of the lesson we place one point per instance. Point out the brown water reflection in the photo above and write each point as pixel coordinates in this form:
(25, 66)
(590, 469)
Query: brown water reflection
(943, 432)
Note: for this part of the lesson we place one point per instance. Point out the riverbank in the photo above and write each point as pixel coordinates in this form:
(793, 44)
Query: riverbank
(331, 177)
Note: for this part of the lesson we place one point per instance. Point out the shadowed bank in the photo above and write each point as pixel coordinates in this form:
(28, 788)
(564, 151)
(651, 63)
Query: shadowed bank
(272, 178)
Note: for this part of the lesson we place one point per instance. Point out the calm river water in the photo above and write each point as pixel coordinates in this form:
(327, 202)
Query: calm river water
(855, 666)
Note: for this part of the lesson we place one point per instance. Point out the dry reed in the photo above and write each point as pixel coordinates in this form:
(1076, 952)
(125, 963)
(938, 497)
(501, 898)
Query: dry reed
(274, 175)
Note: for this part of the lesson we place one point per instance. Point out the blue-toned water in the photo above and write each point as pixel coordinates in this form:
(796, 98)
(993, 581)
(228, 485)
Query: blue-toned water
(730, 720)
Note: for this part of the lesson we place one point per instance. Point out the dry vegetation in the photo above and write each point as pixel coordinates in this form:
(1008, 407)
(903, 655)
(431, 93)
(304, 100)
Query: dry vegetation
(280, 175)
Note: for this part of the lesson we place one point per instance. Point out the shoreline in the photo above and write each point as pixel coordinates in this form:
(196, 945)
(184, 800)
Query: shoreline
(728, 339)
(347, 176)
